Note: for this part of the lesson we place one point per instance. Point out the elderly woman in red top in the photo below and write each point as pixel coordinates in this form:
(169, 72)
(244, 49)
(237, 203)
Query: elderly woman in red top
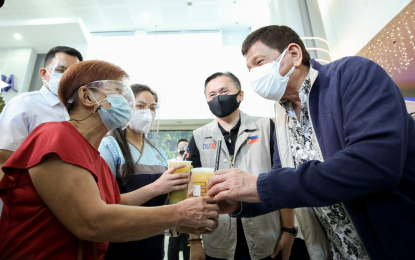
(61, 200)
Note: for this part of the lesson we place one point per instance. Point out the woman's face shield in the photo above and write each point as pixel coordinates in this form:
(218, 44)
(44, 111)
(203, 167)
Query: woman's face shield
(114, 87)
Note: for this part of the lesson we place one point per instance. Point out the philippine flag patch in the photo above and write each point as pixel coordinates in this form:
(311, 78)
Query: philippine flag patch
(252, 140)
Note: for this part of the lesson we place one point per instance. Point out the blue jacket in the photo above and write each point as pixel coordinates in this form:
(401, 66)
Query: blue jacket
(367, 140)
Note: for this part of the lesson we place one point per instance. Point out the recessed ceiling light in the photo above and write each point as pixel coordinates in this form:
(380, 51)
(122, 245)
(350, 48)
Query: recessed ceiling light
(147, 16)
(17, 36)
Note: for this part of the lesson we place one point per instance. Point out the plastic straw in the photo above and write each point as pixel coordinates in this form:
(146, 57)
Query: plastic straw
(218, 148)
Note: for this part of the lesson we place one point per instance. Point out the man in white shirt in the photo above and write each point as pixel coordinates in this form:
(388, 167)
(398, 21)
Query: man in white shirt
(26, 111)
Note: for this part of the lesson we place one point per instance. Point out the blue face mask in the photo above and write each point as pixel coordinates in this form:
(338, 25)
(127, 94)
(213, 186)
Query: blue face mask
(119, 115)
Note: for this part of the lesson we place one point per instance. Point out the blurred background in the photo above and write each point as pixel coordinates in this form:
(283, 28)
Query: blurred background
(174, 45)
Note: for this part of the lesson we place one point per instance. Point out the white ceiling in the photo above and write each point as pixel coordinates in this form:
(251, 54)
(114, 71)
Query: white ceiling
(41, 34)
(148, 15)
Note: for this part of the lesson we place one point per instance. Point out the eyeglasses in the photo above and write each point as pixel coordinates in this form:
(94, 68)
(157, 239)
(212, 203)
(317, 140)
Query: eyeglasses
(58, 69)
(144, 105)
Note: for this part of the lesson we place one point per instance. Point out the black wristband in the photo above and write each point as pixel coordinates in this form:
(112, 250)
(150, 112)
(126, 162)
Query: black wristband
(194, 240)
(293, 231)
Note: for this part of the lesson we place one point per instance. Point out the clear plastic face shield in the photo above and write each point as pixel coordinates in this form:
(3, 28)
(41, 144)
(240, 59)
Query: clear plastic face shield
(155, 126)
(112, 92)
(55, 72)
(153, 107)
(54, 67)
(50, 70)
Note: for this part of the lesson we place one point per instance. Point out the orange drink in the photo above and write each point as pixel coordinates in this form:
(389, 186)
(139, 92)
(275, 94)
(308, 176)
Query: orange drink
(200, 177)
(177, 196)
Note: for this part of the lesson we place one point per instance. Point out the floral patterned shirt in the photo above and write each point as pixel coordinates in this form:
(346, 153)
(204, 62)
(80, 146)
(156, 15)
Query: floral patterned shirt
(344, 241)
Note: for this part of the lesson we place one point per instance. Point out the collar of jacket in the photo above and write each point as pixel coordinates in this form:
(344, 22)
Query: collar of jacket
(214, 132)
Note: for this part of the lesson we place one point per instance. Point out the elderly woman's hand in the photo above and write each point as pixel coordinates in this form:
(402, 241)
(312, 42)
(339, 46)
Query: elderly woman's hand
(198, 212)
(197, 230)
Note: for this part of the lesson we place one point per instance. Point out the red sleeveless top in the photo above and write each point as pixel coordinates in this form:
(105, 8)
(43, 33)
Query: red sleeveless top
(28, 228)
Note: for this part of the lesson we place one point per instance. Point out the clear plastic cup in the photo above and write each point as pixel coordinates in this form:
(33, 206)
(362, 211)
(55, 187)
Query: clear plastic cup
(200, 177)
(179, 195)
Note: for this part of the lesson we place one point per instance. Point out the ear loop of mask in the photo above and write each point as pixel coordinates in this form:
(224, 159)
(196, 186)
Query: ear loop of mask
(96, 110)
(279, 60)
(282, 55)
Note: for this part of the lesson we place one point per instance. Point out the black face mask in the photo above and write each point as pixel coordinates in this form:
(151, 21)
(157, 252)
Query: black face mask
(224, 105)
(181, 152)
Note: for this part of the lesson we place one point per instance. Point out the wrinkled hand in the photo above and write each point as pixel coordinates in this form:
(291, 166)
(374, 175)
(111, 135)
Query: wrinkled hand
(197, 252)
(284, 246)
(198, 212)
(226, 206)
(233, 184)
(169, 182)
(197, 230)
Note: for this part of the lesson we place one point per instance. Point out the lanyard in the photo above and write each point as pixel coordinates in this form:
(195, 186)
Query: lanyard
(232, 157)
(232, 160)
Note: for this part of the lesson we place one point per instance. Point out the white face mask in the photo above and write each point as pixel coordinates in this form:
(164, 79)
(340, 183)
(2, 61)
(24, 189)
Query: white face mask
(141, 121)
(53, 83)
(267, 81)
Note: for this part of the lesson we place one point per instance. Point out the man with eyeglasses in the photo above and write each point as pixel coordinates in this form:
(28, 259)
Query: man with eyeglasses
(26, 111)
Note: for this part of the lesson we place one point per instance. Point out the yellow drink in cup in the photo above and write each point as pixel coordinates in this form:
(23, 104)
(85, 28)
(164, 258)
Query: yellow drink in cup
(200, 177)
(177, 196)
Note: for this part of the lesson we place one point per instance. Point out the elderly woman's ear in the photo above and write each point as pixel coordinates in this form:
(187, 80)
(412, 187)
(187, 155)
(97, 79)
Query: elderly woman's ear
(85, 97)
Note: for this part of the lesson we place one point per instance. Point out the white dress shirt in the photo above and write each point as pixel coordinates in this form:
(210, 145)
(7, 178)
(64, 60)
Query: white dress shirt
(25, 112)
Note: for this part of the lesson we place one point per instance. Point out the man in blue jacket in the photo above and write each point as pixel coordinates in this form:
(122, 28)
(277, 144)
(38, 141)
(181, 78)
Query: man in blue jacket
(344, 145)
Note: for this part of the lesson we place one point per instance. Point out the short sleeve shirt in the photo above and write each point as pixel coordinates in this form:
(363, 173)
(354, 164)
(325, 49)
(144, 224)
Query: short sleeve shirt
(28, 228)
(25, 112)
(112, 154)
(149, 165)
